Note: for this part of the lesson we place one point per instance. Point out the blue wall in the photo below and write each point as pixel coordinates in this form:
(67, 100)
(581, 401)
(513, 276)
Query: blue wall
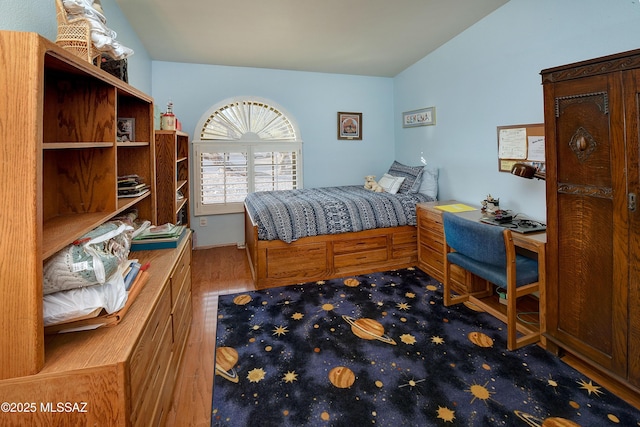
(489, 76)
(39, 16)
(314, 99)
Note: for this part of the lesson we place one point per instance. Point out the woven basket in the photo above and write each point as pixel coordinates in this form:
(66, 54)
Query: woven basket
(74, 35)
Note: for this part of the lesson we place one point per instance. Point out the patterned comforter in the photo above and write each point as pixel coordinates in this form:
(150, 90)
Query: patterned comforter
(291, 214)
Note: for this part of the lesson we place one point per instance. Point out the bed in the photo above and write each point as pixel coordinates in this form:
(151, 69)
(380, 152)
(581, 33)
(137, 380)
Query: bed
(297, 236)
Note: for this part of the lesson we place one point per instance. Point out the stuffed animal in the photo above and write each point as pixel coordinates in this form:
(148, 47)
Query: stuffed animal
(371, 184)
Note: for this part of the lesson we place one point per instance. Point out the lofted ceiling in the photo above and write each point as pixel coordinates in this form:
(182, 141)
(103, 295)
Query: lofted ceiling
(361, 37)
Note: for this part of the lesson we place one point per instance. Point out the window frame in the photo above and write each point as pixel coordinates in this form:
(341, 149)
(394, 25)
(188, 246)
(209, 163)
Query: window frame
(249, 143)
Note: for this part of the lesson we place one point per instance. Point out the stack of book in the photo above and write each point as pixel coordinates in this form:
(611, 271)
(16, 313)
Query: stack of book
(131, 186)
(159, 237)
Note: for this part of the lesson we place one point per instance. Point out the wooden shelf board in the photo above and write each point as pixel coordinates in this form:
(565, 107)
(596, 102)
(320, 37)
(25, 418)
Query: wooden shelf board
(75, 145)
(181, 184)
(180, 204)
(133, 144)
(61, 231)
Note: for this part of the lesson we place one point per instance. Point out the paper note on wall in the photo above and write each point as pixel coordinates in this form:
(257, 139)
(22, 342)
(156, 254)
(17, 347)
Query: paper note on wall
(512, 143)
(536, 149)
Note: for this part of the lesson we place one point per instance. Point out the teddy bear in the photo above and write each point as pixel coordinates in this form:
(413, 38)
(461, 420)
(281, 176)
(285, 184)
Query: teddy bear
(371, 184)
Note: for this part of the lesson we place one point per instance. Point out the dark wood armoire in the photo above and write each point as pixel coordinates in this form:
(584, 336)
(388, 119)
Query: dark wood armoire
(593, 233)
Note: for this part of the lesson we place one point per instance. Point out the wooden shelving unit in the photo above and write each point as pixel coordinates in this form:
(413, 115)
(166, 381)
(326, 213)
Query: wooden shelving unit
(172, 184)
(60, 163)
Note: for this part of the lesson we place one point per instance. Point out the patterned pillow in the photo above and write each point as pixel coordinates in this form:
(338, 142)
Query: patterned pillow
(412, 175)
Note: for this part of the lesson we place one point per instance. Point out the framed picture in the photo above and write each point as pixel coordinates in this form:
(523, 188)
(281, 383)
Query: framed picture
(126, 129)
(422, 117)
(349, 125)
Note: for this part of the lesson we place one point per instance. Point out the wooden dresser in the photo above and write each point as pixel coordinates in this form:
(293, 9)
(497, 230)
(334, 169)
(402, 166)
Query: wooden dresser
(591, 128)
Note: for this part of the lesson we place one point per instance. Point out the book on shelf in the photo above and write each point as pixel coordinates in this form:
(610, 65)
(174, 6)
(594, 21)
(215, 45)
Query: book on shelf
(160, 232)
(131, 186)
(134, 194)
(159, 242)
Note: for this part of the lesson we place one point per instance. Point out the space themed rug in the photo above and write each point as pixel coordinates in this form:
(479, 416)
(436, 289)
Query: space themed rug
(382, 350)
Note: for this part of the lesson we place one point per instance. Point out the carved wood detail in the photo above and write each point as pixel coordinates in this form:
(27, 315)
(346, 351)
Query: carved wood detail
(591, 69)
(600, 99)
(585, 190)
(582, 144)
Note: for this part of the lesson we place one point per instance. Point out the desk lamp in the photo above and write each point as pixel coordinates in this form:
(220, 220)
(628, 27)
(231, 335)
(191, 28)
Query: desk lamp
(527, 171)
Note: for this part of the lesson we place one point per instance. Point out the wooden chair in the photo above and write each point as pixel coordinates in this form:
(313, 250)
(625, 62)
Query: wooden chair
(488, 252)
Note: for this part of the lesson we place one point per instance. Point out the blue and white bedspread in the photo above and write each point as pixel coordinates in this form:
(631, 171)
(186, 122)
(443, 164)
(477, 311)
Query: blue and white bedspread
(288, 215)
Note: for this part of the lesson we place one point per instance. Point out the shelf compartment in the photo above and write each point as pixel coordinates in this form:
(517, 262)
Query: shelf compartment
(78, 181)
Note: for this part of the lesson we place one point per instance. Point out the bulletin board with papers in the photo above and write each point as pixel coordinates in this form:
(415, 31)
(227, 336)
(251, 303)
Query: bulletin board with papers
(521, 144)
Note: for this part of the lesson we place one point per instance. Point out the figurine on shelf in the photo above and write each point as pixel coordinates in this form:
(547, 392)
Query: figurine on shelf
(490, 204)
(168, 119)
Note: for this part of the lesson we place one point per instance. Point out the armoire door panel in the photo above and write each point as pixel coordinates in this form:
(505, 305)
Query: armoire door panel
(585, 270)
(583, 149)
(633, 158)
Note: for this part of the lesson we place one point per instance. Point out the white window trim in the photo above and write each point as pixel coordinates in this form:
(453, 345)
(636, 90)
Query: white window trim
(250, 143)
(249, 147)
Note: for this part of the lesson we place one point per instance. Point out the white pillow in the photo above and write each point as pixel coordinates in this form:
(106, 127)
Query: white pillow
(391, 184)
(429, 184)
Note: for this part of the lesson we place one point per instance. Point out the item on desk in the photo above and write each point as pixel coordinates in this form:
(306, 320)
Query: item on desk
(502, 215)
(490, 204)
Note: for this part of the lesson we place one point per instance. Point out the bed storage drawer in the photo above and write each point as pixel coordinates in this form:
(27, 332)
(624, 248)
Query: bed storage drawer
(357, 252)
(310, 261)
(360, 258)
(404, 244)
(359, 245)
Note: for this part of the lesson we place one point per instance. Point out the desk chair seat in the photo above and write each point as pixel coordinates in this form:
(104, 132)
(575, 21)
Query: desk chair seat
(488, 252)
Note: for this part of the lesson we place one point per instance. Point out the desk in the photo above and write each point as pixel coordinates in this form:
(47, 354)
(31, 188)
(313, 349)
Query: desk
(431, 251)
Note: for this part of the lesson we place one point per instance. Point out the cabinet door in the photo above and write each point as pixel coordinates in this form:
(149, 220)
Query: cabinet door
(633, 131)
(587, 218)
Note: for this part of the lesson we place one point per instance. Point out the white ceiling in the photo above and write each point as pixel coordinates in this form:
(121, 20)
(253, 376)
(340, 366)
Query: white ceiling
(361, 37)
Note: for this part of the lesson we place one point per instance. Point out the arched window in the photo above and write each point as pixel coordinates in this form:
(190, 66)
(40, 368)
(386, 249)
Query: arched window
(244, 145)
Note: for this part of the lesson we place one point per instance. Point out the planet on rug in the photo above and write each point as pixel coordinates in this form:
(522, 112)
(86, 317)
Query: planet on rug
(368, 329)
(382, 350)
(226, 359)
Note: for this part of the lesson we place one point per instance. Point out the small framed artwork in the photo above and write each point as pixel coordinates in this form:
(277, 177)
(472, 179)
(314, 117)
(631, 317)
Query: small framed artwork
(126, 129)
(350, 126)
(422, 117)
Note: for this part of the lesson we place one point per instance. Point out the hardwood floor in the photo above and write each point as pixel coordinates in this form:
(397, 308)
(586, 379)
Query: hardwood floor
(225, 270)
(215, 271)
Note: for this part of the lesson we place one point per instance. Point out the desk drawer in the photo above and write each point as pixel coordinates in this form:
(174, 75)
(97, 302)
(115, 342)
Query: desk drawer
(432, 262)
(181, 269)
(432, 240)
(429, 218)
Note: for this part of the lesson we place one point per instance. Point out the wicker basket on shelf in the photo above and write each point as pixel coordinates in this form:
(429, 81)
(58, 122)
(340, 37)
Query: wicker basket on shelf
(74, 35)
